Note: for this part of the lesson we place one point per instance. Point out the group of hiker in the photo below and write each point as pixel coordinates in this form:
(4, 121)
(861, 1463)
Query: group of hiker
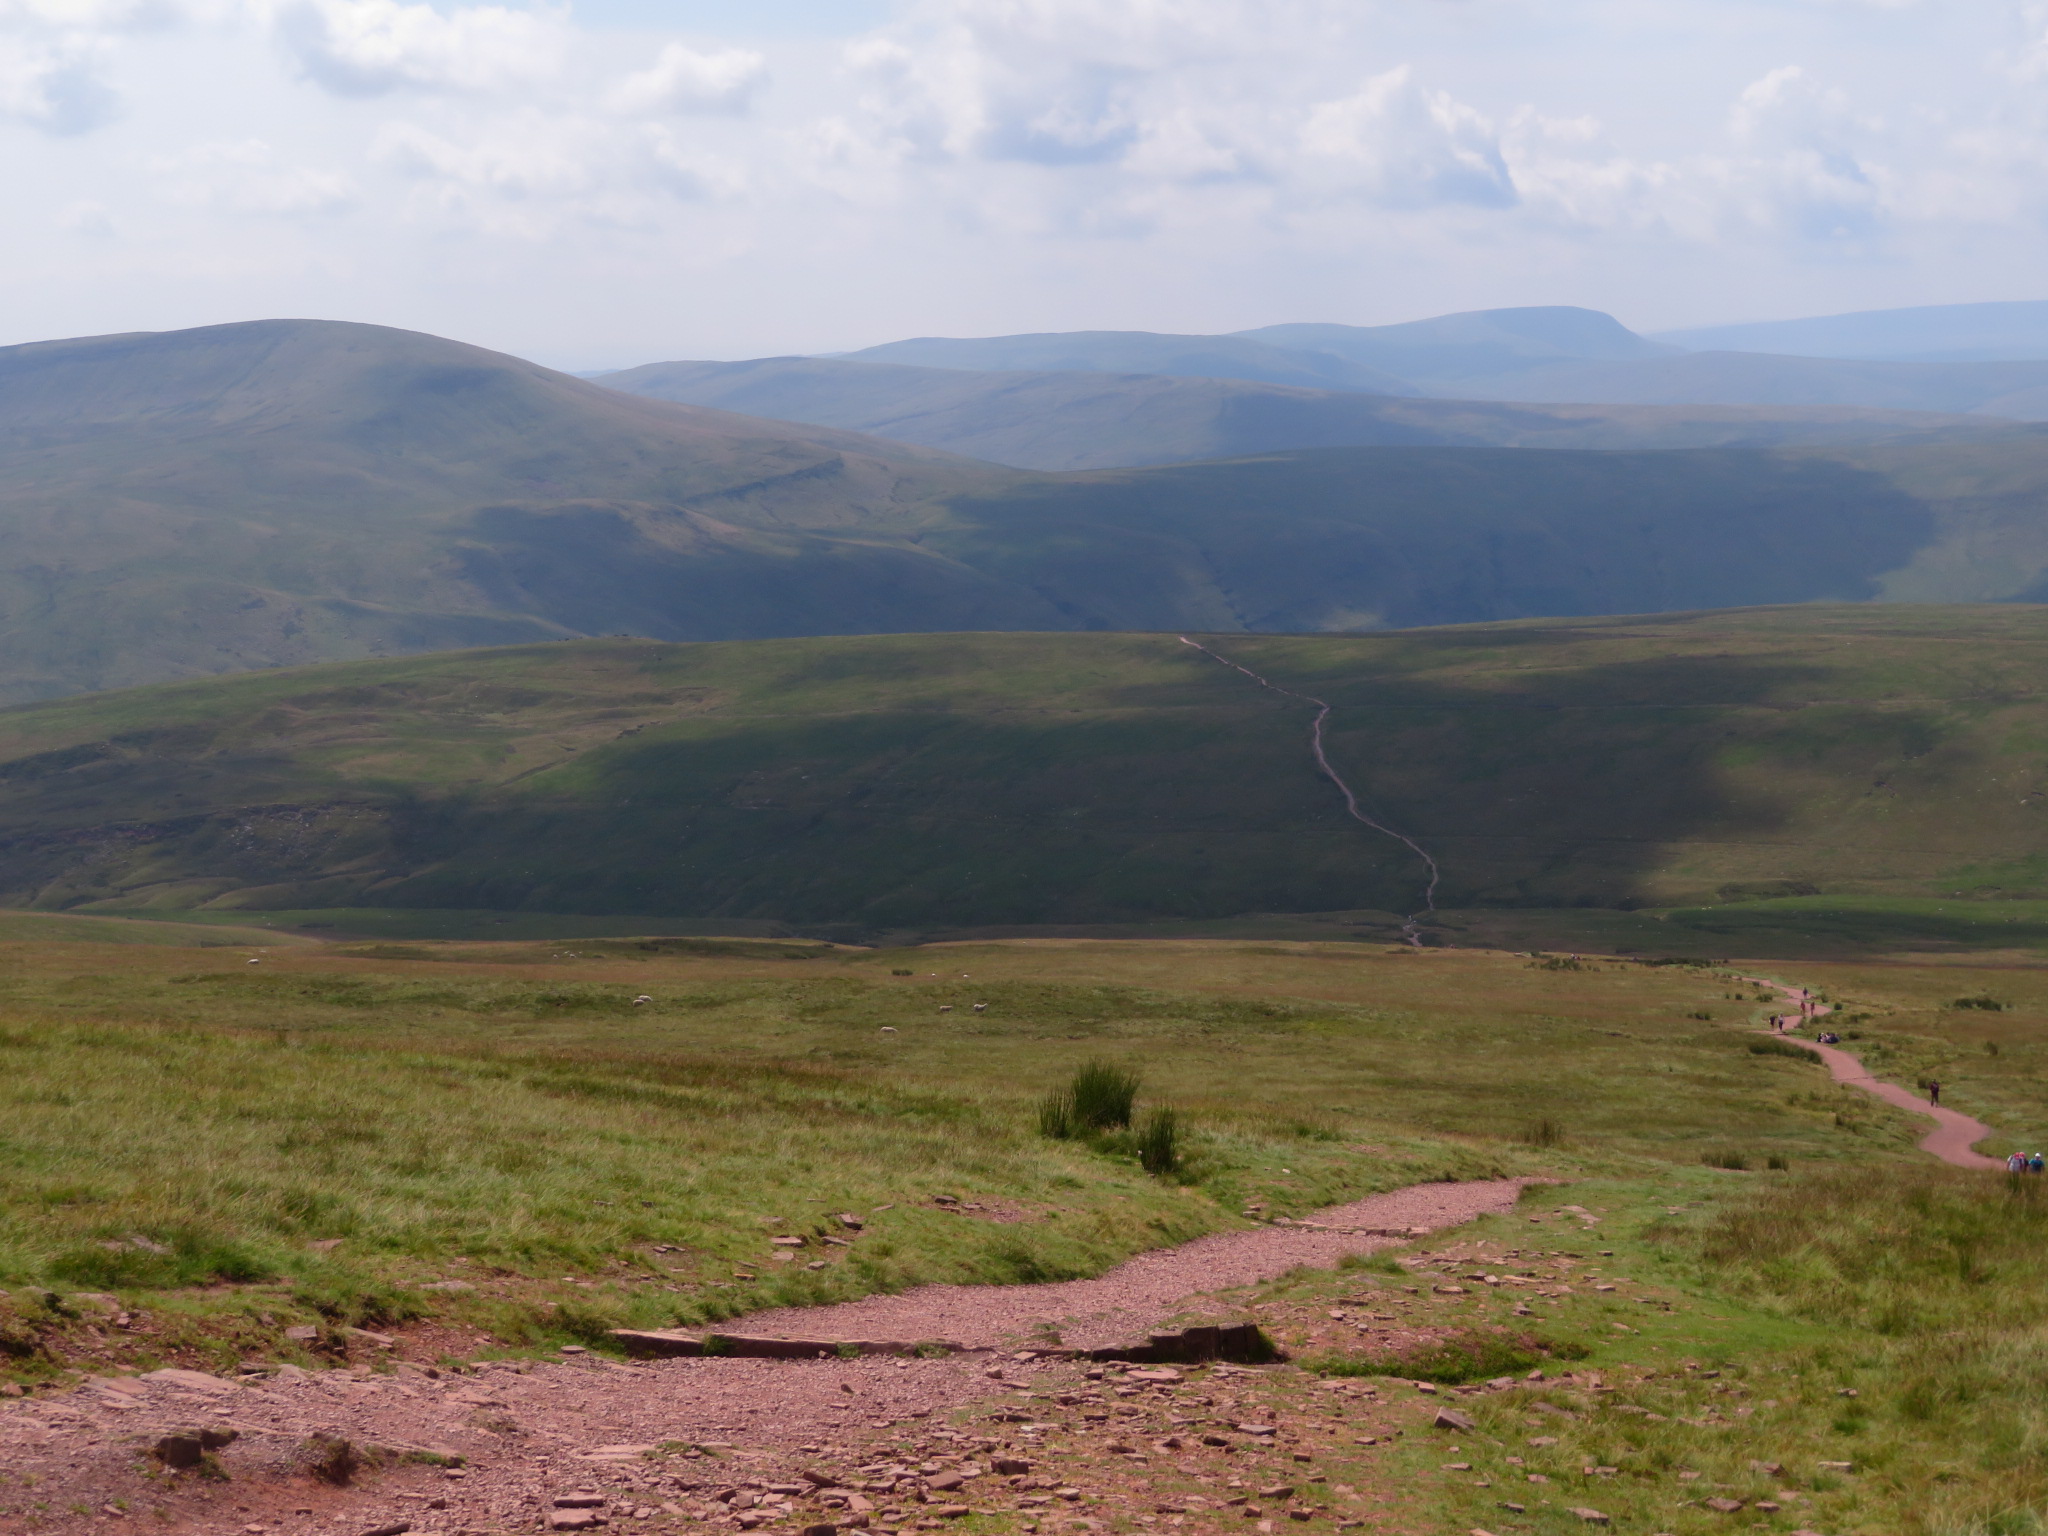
(2021, 1162)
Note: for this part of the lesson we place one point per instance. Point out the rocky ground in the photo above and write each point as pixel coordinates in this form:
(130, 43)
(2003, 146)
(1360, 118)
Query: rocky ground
(1009, 1438)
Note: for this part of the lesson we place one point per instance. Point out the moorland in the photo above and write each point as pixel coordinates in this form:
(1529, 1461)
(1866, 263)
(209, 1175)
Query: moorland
(491, 859)
(1847, 771)
(496, 1147)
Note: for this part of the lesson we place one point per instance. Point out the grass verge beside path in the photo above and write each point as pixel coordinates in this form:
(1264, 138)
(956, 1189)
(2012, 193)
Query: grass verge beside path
(1853, 1352)
(233, 1149)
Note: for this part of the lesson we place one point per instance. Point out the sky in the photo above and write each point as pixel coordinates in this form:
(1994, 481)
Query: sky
(600, 183)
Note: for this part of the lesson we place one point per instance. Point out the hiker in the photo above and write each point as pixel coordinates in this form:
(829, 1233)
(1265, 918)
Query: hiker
(2016, 1163)
(2035, 1163)
(1933, 1092)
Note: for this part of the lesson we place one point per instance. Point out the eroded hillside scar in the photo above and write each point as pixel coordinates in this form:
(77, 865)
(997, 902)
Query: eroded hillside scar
(1410, 929)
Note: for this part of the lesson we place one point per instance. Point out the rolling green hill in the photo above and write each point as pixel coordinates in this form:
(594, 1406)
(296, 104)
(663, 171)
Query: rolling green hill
(906, 783)
(1070, 421)
(253, 495)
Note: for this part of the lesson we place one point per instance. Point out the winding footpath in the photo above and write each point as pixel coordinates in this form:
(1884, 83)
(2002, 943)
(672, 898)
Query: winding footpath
(1410, 928)
(1955, 1135)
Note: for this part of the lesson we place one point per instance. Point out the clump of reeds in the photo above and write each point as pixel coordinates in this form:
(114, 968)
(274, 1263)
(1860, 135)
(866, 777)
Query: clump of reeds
(1099, 1104)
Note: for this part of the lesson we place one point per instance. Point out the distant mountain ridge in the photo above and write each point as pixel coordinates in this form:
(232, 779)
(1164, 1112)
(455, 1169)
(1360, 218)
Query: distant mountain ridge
(2013, 331)
(1078, 420)
(274, 493)
(1208, 357)
(1562, 354)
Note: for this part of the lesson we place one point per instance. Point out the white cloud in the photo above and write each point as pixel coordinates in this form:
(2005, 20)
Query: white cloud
(1024, 164)
(55, 85)
(1399, 144)
(375, 47)
(248, 176)
(682, 79)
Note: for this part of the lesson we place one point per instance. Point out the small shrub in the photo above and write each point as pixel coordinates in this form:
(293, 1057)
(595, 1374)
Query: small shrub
(1543, 1133)
(1056, 1117)
(1734, 1161)
(1159, 1142)
(1777, 1047)
(1103, 1094)
(1988, 1004)
(899, 973)
(1778, 1162)
(333, 1459)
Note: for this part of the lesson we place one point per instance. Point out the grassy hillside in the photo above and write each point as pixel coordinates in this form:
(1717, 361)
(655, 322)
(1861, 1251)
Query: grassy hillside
(314, 1138)
(1069, 421)
(920, 782)
(254, 495)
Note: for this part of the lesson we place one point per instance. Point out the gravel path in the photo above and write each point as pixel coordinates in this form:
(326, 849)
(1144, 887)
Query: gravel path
(1954, 1135)
(1123, 1305)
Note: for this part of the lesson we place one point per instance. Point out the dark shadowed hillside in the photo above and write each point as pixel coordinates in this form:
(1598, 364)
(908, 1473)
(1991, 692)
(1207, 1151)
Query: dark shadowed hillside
(951, 780)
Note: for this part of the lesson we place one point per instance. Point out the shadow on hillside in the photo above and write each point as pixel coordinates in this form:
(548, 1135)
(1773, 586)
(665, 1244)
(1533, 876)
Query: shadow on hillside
(1629, 781)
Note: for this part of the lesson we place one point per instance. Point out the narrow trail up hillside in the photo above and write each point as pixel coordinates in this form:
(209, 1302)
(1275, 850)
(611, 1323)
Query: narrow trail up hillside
(1954, 1133)
(1410, 928)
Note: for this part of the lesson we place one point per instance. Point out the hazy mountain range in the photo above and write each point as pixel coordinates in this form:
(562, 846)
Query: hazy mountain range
(1557, 355)
(245, 496)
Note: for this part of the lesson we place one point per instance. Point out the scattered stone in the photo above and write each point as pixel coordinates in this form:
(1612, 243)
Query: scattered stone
(1590, 1516)
(1450, 1418)
(449, 1285)
(849, 1220)
(396, 1528)
(1010, 1466)
(1724, 1506)
(302, 1333)
(191, 1381)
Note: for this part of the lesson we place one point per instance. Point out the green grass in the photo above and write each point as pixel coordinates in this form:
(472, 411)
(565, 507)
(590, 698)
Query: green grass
(1860, 1346)
(232, 1149)
(1575, 780)
(512, 1118)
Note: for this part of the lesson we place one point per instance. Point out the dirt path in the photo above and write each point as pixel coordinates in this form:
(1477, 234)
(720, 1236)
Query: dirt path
(1315, 741)
(1954, 1135)
(534, 1432)
(1121, 1306)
